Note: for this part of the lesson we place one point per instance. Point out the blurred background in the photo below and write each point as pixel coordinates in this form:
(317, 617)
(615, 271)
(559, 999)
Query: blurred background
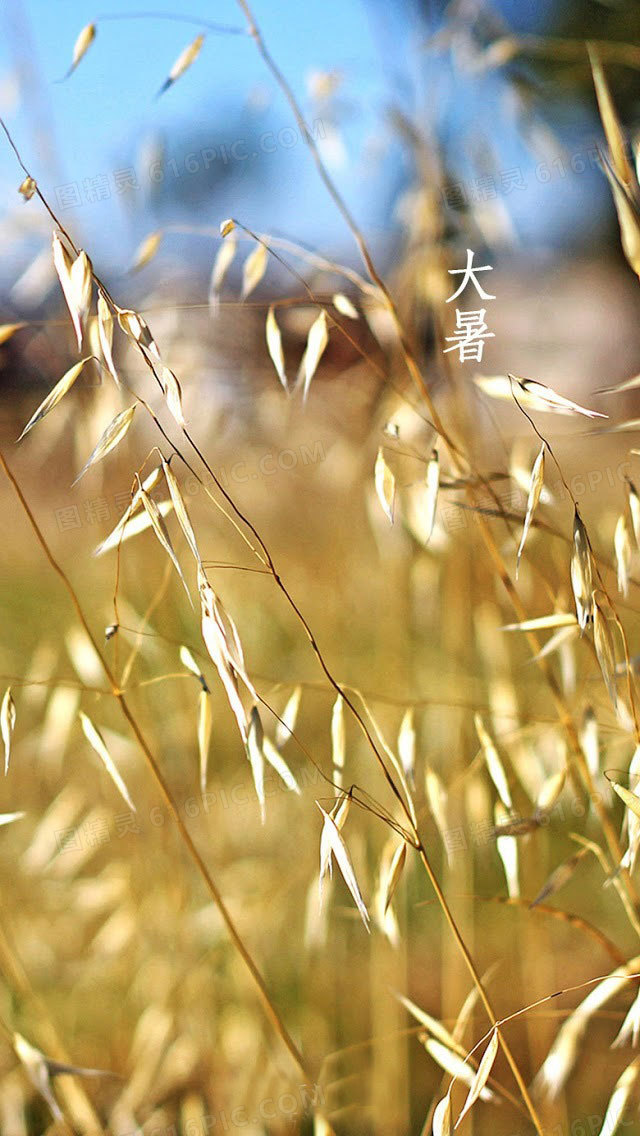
(445, 127)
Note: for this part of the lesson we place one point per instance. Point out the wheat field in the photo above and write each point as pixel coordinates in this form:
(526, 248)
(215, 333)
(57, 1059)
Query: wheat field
(321, 798)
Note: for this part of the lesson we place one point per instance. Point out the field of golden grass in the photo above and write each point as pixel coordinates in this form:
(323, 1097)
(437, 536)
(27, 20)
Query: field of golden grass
(320, 805)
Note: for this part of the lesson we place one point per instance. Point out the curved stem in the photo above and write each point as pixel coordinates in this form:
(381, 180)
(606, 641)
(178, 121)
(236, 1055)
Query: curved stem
(270, 1009)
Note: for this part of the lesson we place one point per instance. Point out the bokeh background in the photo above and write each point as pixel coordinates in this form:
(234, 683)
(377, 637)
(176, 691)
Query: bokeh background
(445, 127)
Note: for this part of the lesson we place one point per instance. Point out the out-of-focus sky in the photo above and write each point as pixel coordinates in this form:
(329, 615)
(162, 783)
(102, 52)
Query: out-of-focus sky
(225, 127)
(105, 118)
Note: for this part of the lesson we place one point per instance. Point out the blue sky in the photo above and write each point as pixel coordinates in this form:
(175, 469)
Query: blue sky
(104, 119)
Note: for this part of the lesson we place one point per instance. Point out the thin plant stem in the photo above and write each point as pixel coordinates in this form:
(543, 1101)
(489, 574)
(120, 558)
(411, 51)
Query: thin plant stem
(154, 767)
